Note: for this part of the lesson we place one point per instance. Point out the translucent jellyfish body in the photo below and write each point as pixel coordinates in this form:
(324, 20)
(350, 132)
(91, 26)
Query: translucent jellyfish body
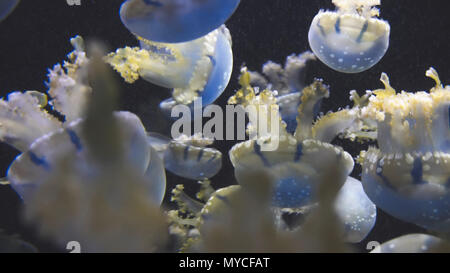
(411, 243)
(93, 176)
(6, 7)
(356, 211)
(349, 40)
(300, 161)
(220, 198)
(187, 157)
(175, 21)
(34, 166)
(409, 175)
(23, 119)
(294, 168)
(44, 140)
(197, 69)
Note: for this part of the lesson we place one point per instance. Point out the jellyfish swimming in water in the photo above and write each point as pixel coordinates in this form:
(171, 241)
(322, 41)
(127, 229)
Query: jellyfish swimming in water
(44, 140)
(31, 168)
(357, 214)
(410, 243)
(356, 211)
(175, 21)
(91, 176)
(294, 163)
(196, 69)
(287, 83)
(6, 7)
(408, 175)
(349, 40)
(187, 157)
(300, 162)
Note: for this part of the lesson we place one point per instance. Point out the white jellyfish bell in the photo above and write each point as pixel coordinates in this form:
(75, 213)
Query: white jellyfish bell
(351, 39)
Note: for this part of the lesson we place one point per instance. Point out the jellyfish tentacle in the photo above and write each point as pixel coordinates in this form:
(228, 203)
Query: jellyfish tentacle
(200, 68)
(307, 110)
(329, 126)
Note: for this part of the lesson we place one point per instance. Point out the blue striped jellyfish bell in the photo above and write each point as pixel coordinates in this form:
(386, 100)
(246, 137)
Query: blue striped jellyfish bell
(295, 168)
(187, 157)
(192, 162)
(33, 167)
(349, 40)
(175, 21)
(409, 175)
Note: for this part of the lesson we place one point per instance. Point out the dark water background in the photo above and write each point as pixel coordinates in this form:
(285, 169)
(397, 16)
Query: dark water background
(36, 37)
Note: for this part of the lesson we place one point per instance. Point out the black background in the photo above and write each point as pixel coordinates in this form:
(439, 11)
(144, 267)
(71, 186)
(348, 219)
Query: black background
(36, 36)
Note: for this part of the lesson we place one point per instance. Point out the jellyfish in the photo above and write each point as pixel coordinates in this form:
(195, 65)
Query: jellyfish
(356, 219)
(43, 139)
(92, 175)
(23, 119)
(285, 79)
(175, 21)
(349, 40)
(287, 83)
(6, 7)
(76, 191)
(196, 69)
(187, 157)
(218, 202)
(300, 160)
(411, 243)
(356, 211)
(23, 115)
(408, 174)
